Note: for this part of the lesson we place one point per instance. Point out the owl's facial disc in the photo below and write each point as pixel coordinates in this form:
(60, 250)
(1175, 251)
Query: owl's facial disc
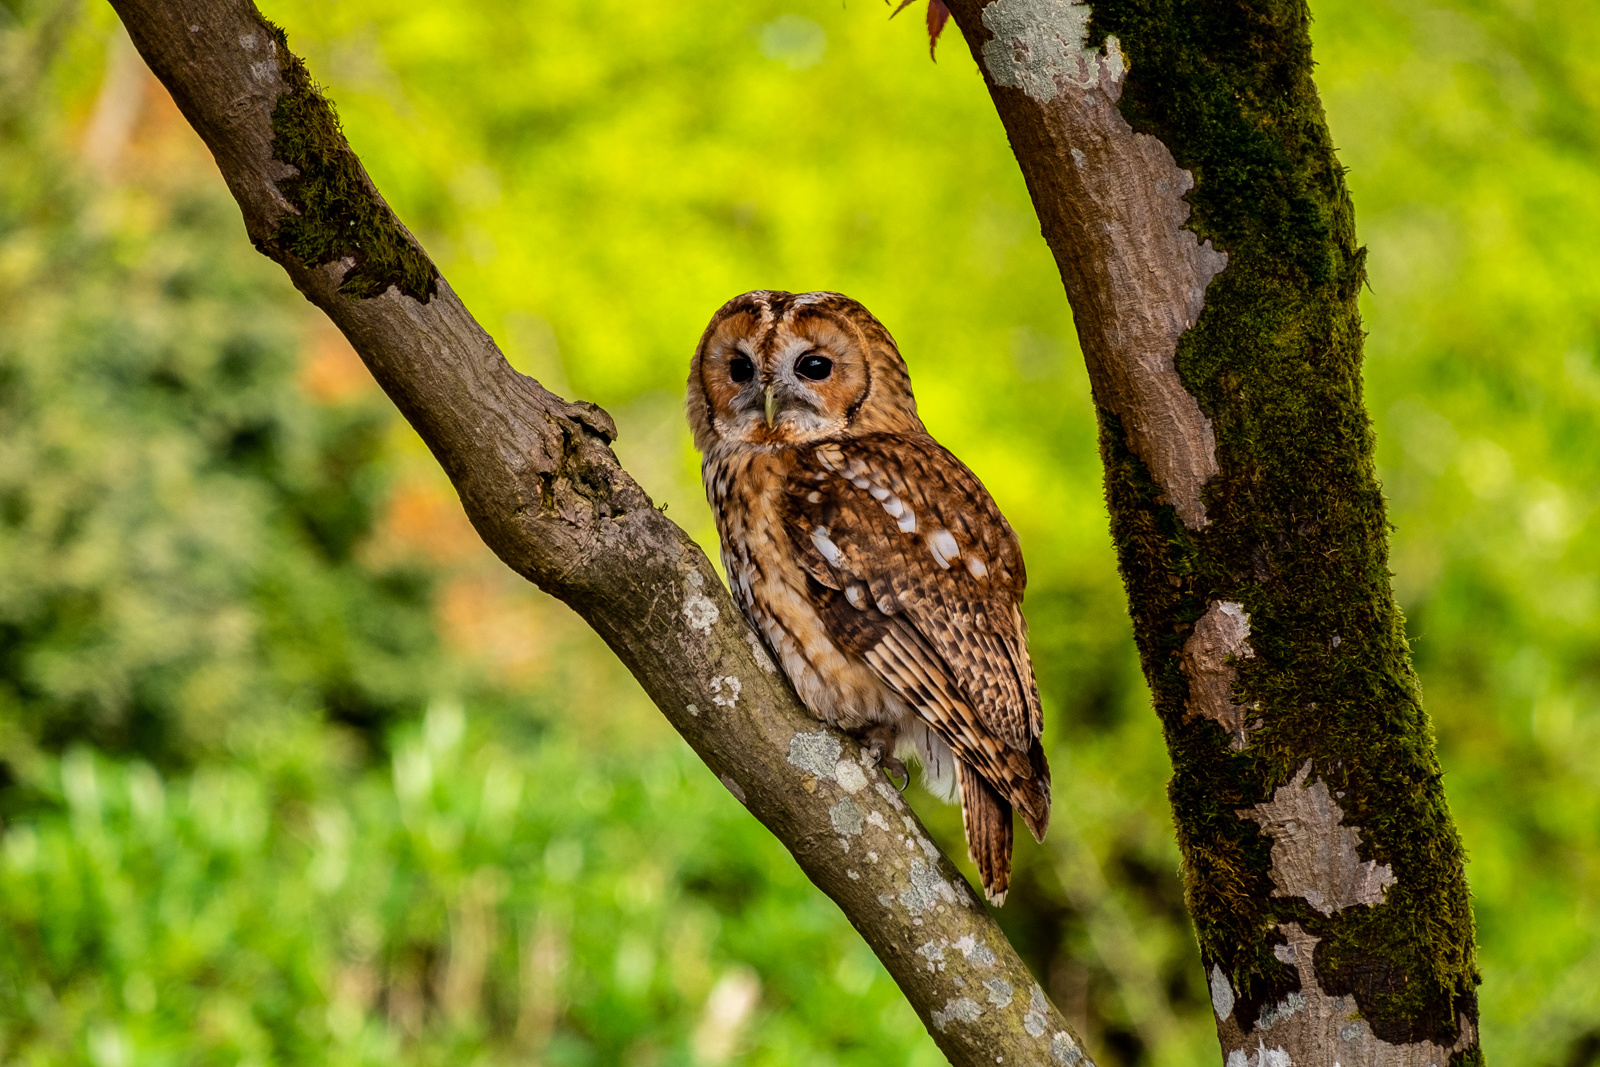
(780, 370)
(814, 375)
(784, 383)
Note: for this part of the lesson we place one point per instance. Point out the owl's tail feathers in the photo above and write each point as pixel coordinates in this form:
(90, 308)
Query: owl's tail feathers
(1034, 804)
(987, 818)
(1024, 781)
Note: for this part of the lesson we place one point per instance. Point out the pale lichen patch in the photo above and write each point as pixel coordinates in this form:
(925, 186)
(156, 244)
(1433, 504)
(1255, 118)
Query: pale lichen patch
(975, 951)
(1286, 1008)
(875, 818)
(1264, 1057)
(725, 690)
(964, 1009)
(846, 818)
(1065, 1050)
(1000, 992)
(931, 952)
(926, 890)
(891, 794)
(759, 651)
(1221, 993)
(1216, 643)
(1313, 855)
(1037, 1019)
(698, 609)
(850, 778)
(815, 753)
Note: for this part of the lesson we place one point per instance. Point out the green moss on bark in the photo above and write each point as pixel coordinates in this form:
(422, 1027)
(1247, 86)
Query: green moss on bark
(341, 216)
(1298, 533)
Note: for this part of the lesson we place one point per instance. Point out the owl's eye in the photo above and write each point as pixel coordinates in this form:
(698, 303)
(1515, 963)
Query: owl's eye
(741, 369)
(814, 367)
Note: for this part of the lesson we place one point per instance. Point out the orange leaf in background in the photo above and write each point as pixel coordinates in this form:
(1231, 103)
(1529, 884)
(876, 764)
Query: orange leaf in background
(500, 624)
(330, 369)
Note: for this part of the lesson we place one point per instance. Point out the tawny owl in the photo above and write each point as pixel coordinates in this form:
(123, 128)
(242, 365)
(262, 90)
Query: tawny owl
(873, 563)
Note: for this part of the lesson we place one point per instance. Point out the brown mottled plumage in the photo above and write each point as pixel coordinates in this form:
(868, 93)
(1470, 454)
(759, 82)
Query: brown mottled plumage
(872, 562)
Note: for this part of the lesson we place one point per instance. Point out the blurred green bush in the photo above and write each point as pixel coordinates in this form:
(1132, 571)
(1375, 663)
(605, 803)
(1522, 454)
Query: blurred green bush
(178, 526)
(294, 772)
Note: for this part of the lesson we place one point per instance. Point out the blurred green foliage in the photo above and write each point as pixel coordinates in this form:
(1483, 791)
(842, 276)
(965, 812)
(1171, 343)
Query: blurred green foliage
(233, 833)
(177, 525)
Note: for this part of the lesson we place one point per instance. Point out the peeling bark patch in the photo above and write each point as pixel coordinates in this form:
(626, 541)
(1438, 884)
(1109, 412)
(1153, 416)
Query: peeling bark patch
(815, 753)
(1218, 636)
(733, 787)
(846, 817)
(1041, 47)
(1221, 993)
(698, 609)
(1322, 1029)
(964, 1009)
(1313, 856)
(1000, 992)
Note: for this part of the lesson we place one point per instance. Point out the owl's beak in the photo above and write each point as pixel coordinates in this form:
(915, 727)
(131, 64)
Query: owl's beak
(772, 406)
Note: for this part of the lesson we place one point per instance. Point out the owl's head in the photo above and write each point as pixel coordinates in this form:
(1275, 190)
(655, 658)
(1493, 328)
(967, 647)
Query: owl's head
(779, 369)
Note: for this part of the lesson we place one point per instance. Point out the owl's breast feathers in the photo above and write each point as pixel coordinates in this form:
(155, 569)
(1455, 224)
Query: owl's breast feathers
(915, 571)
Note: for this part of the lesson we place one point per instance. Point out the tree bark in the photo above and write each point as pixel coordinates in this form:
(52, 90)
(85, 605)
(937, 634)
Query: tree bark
(541, 485)
(1180, 164)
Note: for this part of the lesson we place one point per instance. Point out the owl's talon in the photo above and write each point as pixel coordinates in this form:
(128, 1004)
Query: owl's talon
(879, 746)
(893, 768)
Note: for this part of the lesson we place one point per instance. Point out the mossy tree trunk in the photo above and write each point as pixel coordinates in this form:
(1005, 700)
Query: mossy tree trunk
(1181, 166)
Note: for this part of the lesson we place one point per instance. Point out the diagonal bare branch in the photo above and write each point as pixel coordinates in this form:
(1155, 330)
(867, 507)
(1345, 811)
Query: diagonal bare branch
(541, 485)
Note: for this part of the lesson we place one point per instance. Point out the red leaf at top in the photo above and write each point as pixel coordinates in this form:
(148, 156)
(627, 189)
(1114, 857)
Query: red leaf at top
(938, 15)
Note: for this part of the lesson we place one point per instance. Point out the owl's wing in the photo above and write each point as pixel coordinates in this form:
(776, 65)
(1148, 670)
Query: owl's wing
(915, 570)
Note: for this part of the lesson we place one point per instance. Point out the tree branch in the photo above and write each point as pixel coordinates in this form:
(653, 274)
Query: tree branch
(1324, 874)
(541, 485)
